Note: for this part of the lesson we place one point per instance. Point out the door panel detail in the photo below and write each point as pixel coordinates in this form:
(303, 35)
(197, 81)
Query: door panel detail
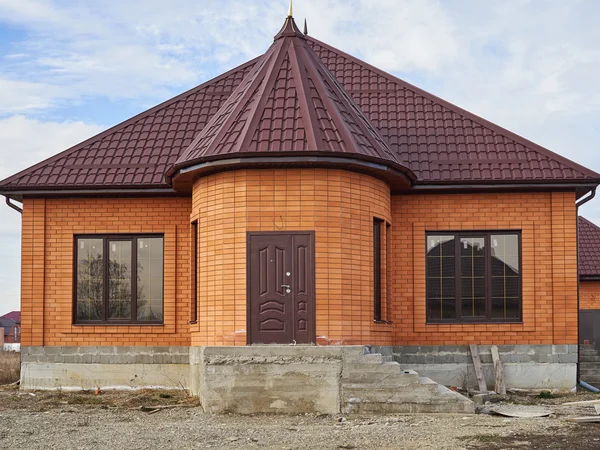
(281, 303)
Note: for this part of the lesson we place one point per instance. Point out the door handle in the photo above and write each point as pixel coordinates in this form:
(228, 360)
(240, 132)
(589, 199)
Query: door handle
(287, 287)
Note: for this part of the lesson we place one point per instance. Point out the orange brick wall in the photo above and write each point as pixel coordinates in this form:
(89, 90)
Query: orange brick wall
(589, 295)
(338, 205)
(549, 260)
(49, 226)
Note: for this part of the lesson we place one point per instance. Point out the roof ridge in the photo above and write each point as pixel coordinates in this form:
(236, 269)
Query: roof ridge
(126, 123)
(465, 113)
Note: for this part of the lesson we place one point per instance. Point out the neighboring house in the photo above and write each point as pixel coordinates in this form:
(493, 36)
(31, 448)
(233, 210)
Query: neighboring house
(13, 315)
(589, 278)
(304, 197)
(12, 331)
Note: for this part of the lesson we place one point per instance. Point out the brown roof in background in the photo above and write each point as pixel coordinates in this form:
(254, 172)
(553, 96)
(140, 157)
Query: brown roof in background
(439, 142)
(589, 248)
(289, 104)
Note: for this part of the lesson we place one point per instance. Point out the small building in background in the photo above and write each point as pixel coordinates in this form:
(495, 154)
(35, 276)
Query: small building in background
(12, 330)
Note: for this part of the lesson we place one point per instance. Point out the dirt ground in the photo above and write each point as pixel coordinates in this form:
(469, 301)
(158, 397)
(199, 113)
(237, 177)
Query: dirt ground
(110, 420)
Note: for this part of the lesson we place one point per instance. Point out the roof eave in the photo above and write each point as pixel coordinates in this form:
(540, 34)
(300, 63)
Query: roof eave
(582, 187)
(21, 193)
(398, 177)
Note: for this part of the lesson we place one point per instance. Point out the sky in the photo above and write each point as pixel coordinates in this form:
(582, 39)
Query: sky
(69, 70)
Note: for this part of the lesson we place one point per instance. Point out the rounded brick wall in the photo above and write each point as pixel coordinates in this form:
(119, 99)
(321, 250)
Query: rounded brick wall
(339, 206)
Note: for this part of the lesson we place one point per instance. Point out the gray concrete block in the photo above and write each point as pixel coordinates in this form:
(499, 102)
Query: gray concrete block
(560, 349)
(568, 358)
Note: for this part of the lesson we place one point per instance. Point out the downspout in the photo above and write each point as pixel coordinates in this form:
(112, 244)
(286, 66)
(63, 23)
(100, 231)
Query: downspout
(578, 205)
(13, 206)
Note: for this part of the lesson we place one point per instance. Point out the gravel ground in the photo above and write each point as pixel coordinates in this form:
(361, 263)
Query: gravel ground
(115, 421)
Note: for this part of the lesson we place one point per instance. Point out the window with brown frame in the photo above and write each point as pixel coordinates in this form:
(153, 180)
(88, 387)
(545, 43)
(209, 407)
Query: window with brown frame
(473, 277)
(194, 280)
(118, 279)
(377, 225)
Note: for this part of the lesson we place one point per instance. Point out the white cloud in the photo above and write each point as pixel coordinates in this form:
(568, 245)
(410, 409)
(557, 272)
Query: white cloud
(24, 142)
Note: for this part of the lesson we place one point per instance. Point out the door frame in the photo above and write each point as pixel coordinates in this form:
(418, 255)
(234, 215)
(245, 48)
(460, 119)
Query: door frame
(312, 328)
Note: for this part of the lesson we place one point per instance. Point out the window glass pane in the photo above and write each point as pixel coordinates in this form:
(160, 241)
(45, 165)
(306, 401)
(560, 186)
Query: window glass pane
(441, 277)
(150, 279)
(505, 277)
(472, 276)
(90, 279)
(119, 280)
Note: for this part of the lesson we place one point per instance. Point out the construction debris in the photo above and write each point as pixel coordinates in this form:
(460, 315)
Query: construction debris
(478, 369)
(500, 387)
(521, 412)
(584, 403)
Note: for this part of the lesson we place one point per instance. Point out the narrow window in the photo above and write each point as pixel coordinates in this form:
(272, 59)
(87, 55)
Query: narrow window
(388, 270)
(194, 262)
(377, 268)
(119, 279)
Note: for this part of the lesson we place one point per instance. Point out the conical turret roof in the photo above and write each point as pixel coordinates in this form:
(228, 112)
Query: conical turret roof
(290, 105)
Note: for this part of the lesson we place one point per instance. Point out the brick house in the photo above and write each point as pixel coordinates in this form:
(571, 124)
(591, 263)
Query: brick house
(304, 197)
(12, 331)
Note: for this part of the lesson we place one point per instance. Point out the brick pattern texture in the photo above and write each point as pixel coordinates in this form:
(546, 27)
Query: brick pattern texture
(49, 226)
(549, 264)
(589, 295)
(339, 206)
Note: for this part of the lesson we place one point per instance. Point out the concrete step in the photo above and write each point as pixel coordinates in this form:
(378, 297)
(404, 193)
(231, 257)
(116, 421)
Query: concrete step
(589, 359)
(589, 353)
(409, 408)
(589, 371)
(372, 358)
(371, 394)
(387, 367)
(386, 381)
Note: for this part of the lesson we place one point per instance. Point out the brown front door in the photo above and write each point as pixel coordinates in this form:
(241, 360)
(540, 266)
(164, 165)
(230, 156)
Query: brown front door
(281, 288)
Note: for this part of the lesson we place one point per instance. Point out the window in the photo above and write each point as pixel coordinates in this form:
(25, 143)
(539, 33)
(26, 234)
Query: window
(377, 268)
(194, 280)
(474, 277)
(381, 275)
(119, 279)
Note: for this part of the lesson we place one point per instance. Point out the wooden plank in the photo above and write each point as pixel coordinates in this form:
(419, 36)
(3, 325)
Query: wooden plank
(584, 403)
(478, 370)
(589, 419)
(500, 387)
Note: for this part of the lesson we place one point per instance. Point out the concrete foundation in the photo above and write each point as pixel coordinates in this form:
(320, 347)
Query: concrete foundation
(525, 366)
(273, 379)
(80, 368)
(301, 379)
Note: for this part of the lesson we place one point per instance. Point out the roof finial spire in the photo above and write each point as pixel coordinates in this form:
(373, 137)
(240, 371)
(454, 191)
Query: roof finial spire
(291, 11)
(305, 28)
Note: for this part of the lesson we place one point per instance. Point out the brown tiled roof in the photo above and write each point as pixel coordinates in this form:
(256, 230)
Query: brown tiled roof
(589, 248)
(289, 104)
(441, 143)
(138, 152)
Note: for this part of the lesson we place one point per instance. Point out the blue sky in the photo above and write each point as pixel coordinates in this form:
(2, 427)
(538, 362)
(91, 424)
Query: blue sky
(69, 70)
